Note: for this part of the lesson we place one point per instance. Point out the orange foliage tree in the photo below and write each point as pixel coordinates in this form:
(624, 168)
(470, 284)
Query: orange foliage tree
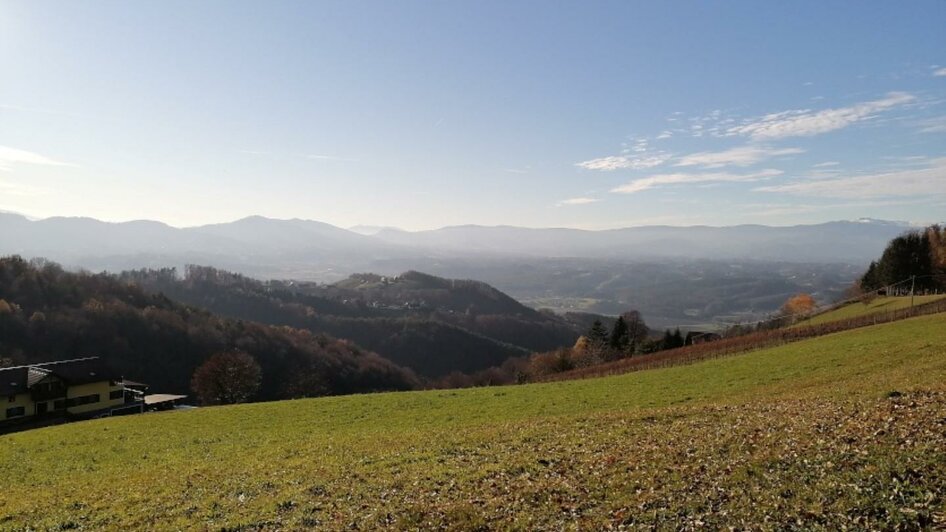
(798, 305)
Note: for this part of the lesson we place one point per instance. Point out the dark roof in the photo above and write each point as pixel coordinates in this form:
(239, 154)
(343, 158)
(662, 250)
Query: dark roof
(34, 375)
(82, 370)
(19, 379)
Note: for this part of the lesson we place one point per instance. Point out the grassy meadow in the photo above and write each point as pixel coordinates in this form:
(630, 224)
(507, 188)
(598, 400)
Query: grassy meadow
(846, 430)
(877, 305)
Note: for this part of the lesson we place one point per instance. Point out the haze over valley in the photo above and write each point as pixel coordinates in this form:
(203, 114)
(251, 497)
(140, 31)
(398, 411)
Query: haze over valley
(272, 265)
(689, 276)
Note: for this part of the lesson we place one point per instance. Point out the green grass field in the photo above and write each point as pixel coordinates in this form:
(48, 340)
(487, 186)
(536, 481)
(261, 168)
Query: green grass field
(807, 435)
(855, 310)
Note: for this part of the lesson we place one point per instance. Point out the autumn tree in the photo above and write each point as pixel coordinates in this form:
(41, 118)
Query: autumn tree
(798, 305)
(587, 352)
(228, 377)
(936, 236)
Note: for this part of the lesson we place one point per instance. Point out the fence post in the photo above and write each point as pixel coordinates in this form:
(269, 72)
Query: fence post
(912, 291)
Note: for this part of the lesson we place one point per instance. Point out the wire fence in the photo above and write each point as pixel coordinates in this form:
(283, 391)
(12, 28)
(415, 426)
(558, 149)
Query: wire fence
(890, 289)
(748, 342)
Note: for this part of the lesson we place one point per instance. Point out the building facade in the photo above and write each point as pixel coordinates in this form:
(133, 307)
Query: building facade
(84, 387)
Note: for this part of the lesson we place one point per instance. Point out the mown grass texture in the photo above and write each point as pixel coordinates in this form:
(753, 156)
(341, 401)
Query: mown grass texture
(806, 435)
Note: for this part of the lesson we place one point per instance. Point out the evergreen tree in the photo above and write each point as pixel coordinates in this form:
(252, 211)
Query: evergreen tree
(598, 334)
(870, 280)
(677, 338)
(667, 341)
(620, 338)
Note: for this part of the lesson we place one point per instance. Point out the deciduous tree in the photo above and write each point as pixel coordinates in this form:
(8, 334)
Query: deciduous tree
(798, 305)
(227, 378)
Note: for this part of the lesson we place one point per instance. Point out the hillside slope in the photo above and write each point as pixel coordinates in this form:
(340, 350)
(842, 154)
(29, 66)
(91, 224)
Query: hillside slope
(49, 314)
(842, 430)
(434, 326)
(878, 305)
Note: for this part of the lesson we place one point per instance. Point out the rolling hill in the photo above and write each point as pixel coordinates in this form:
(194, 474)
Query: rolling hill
(433, 325)
(49, 314)
(845, 430)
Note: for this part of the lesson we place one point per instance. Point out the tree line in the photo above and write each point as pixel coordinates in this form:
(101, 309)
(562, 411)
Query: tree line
(48, 314)
(919, 253)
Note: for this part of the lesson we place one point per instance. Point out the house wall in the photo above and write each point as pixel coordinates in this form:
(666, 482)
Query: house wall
(22, 399)
(103, 389)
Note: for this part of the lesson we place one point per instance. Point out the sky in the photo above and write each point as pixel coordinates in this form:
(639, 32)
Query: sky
(423, 114)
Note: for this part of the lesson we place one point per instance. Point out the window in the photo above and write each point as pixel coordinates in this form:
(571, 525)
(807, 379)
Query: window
(16, 411)
(59, 404)
(84, 400)
(116, 394)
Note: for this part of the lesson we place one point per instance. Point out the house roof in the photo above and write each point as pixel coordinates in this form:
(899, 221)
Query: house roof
(20, 379)
(158, 398)
(34, 375)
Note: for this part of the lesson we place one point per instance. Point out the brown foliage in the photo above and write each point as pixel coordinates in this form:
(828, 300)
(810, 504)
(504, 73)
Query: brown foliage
(227, 378)
(937, 239)
(798, 305)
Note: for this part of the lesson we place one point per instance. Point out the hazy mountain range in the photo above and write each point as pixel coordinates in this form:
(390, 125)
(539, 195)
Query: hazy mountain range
(674, 275)
(321, 247)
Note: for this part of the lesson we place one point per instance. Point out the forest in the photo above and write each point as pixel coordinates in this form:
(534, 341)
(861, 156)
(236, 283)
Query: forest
(432, 325)
(47, 313)
(915, 260)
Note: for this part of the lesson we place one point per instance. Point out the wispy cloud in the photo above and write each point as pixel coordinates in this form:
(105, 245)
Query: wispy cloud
(933, 125)
(826, 164)
(928, 181)
(329, 158)
(741, 156)
(805, 122)
(658, 180)
(939, 71)
(577, 201)
(13, 156)
(625, 162)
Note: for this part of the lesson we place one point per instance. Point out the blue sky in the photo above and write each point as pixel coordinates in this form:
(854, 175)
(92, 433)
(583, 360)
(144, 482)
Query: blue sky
(426, 114)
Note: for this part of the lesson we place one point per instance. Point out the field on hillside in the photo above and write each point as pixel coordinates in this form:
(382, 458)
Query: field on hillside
(844, 430)
(878, 305)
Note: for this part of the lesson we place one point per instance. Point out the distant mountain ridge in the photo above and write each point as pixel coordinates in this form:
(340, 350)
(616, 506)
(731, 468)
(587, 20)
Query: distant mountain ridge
(840, 241)
(280, 245)
(674, 275)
